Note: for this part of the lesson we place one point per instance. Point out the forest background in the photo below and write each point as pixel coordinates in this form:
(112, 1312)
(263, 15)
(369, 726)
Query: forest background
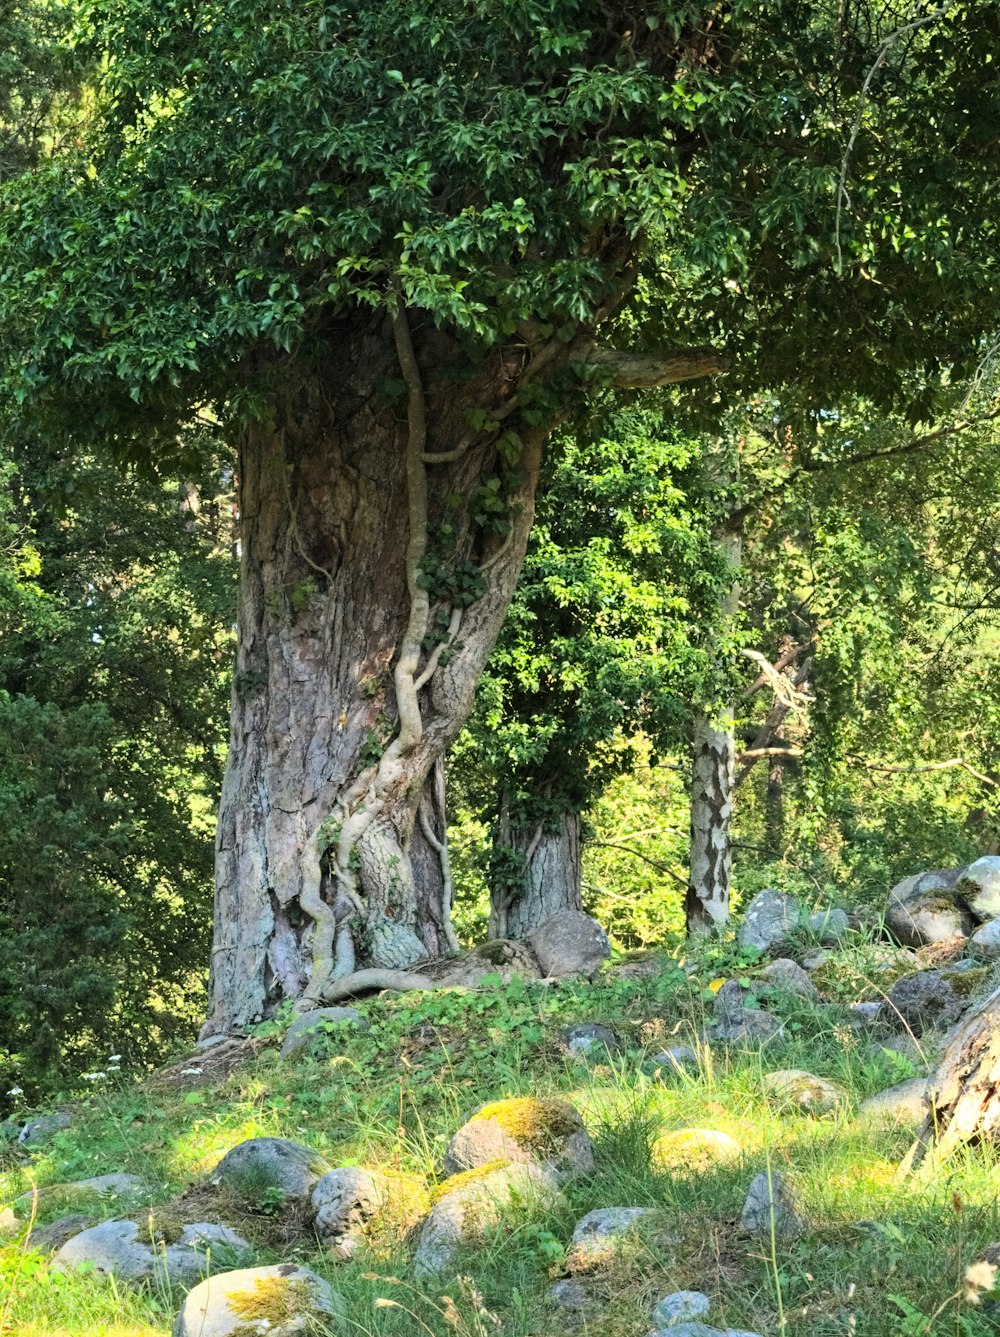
(869, 574)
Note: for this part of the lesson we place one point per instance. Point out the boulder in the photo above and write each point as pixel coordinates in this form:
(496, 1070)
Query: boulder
(597, 1235)
(343, 1200)
(113, 1187)
(694, 1149)
(769, 918)
(864, 1015)
(905, 1104)
(48, 1238)
(520, 1131)
(925, 999)
(588, 1040)
(979, 888)
(38, 1131)
(795, 1088)
(570, 943)
(736, 1024)
(926, 909)
(314, 1031)
(134, 1253)
(770, 1199)
(500, 956)
(285, 1300)
(829, 926)
(785, 976)
(985, 942)
(681, 1307)
(263, 1167)
(570, 1294)
(678, 1058)
(461, 1216)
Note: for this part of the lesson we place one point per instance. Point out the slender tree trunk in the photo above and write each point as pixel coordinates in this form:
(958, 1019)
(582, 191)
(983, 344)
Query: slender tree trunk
(774, 799)
(316, 747)
(541, 875)
(714, 757)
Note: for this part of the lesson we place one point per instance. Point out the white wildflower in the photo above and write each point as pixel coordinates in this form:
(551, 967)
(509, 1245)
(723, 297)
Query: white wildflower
(15, 1091)
(191, 1072)
(115, 1058)
(93, 1076)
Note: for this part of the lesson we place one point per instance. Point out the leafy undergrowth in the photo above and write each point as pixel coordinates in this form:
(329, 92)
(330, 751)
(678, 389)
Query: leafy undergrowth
(881, 1257)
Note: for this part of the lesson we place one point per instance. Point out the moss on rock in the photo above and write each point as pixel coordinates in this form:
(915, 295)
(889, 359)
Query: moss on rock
(537, 1124)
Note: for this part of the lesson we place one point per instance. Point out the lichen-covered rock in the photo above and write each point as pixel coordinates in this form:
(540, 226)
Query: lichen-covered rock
(985, 942)
(768, 920)
(500, 956)
(905, 1104)
(589, 1040)
(926, 909)
(132, 1253)
(570, 943)
(571, 1294)
(123, 1188)
(785, 976)
(829, 925)
(599, 1234)
(681, 1307)
(694, 1149)
(925, 999)
(314, 1031)
(864, 1015)
(768, 1200)
(460, 1217)
(285, 1300)
(263, 1166)
(46, 1239)
(794, 1088)
(38, 1131)
(736, 1024)
(350, 1200)
(979, 888)
(520, 1131)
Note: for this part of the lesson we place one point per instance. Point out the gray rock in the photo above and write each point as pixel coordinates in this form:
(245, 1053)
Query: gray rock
(263, 1165)
(830, 925)
(700, 1330)
(985, 942)
(570, 1294)
(570, 943)
(905, 1104)
(813, 960)
(246, 1301)
(544, 1132)
(599, 1232)
(213, 1041)
(123, 1249)
(924, 999)
(736, 1024)
(460, 1218)
(345, 1199)
(771, 1198)
(128, 1188)
(926, 909)
(796, 1088)
(864, 1015)
(46, 1239)
(770, 917)
(313, 1031)
(678, 1058)
(979, 888)
(589, 1040)
(786, 976)
(681, 1307)
(38, 1131)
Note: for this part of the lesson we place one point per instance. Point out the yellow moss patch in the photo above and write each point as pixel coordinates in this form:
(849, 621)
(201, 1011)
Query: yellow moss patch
(466, 1177)
(694, 1149)
(275, 1299)
(538, 1125)
(967, 982)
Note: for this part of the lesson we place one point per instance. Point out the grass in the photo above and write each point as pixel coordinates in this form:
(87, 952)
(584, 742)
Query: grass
(393, 1097)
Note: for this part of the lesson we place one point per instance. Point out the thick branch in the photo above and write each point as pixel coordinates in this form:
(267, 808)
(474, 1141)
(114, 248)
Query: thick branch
(782, 662)
(646, 371)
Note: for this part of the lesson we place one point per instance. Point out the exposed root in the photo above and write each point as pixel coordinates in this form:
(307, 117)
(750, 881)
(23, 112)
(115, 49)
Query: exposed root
(369, 981)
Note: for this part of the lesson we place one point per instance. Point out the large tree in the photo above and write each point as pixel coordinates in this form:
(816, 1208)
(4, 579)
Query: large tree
(380, 239)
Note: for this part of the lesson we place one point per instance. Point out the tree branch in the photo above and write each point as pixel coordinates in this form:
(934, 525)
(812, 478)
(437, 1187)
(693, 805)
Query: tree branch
(645, 371)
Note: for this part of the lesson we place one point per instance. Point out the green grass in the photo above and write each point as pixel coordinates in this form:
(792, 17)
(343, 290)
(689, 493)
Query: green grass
(393, 1097)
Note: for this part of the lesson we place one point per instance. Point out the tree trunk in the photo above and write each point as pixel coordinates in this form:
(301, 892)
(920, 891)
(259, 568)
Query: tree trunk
(964, 1093)
(774, 799)
(541, 875)
(714, 758)
(331, 826)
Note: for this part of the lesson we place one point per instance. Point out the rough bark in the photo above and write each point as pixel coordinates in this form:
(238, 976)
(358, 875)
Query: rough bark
(964, 1094)
(774, 798)
(713, 765)
(547, 863)
(324, 610)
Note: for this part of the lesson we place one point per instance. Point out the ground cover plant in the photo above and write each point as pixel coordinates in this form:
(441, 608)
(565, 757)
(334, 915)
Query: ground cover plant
(878, 1257)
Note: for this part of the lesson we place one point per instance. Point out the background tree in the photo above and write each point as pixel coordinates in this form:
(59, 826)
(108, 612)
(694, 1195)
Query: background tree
(381, 240)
